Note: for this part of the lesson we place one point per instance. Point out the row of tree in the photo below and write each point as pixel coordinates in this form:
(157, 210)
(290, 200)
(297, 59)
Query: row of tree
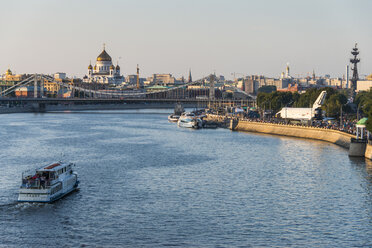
(274, 101)
(335, 102)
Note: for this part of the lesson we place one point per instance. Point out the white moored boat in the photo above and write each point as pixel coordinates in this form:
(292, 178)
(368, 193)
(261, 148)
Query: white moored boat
(189, 120)
(178, 110)
(48, 183)
(173, 118)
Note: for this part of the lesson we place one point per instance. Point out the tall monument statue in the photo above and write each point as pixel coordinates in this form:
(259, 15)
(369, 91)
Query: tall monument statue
(354, 61)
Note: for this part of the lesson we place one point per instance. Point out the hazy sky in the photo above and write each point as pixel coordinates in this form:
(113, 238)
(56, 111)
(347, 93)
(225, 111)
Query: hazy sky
(171, 36)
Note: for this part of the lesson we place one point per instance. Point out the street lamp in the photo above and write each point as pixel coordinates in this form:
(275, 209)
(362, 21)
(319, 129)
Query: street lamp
(341, 105)
(264, 110)
(358, 110)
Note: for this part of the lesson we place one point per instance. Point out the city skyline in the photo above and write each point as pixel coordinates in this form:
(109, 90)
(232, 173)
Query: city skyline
(245, 37)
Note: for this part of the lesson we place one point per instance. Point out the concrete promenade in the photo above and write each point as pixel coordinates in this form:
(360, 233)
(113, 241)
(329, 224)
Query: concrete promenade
(329, 135)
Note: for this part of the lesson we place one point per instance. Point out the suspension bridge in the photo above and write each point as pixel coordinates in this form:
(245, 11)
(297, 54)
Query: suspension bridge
(83, 94)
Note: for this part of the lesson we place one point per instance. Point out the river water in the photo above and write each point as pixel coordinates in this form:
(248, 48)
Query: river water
(147, 183)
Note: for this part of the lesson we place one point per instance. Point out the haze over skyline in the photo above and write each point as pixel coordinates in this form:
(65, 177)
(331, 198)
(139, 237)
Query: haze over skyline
(171, 36)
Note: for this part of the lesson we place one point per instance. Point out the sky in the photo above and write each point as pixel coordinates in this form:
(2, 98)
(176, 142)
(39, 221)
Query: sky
(241, 37)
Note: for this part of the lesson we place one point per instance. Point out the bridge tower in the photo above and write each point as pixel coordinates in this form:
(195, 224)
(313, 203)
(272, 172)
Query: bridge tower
(41, 87)
(35, 86)
(355, 62)
(38, 84)
(138, 82)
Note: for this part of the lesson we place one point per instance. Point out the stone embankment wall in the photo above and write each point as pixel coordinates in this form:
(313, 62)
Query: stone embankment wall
(223, 121)
(368, 153)
(333, 136)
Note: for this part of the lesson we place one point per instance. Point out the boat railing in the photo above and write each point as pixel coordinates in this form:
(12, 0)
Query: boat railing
(28, 173)
(35, 183)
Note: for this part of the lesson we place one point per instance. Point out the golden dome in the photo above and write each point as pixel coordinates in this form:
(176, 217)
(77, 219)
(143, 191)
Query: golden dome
(104, 56)
(95, 67)
(8, 72)
(112, 67)
(90, 67)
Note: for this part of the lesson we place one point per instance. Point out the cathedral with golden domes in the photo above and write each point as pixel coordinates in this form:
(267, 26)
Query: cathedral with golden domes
(104, 72)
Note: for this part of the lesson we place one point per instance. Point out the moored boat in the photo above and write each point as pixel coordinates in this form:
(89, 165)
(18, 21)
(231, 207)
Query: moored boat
(189, 120)
(173, 118)
(178, 110)
(48, 183)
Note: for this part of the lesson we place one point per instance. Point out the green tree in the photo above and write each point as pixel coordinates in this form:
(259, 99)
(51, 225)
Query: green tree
(267, 89)
(263, 99)
(369, 121)
(307, 99)
(334, 103)
(364, 101)
(275, 100)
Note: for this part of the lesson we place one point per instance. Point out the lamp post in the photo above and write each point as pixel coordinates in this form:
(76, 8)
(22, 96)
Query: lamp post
(264, 111)
(358, 110)
(341, 114)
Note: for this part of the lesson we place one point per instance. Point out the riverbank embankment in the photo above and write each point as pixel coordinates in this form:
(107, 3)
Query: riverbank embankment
(329, 135)
(369, 151)
(333, 136)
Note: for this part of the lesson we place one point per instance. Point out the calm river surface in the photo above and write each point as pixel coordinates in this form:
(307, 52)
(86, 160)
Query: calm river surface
(147, 183)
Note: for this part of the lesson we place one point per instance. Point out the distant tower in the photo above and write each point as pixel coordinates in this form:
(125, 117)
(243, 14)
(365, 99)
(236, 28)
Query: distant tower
(211, 86)
(90, 69)
(287, 71)
(355, 62)
(8, 72)
(190, 78)
(112, 70)
(117, 68)
(347, 76)
(138, 84)
(313, 74)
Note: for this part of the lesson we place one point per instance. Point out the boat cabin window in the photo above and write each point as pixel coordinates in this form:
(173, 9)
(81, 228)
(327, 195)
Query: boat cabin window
(63, 170)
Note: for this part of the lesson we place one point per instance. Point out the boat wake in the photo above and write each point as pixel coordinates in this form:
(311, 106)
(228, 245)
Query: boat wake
(16, 207)
(11, 204)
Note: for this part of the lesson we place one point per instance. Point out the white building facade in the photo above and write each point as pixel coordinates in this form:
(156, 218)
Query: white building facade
(104, 72)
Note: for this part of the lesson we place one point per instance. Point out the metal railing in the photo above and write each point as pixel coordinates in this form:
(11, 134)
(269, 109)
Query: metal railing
(355, 140)
(35, 183)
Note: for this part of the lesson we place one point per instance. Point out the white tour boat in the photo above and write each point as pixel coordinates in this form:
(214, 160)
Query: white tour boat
(48, 183)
